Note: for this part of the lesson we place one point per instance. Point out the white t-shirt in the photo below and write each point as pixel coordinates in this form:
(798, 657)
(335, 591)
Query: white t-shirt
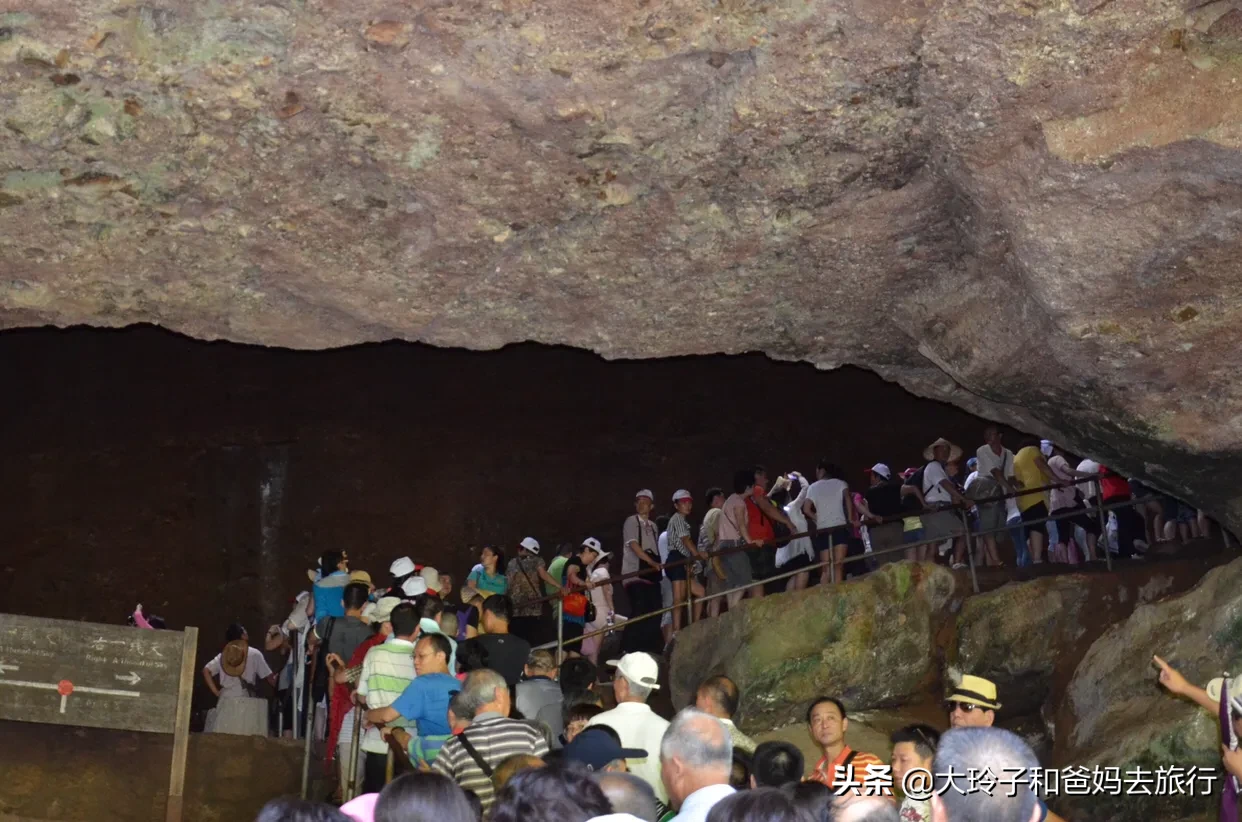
(989, 459)
(801, 545)
(662, 547)
(1061, 497)
(1088, 487)
(256, 669)
(639, 727)
(933, 491)
(828, 496)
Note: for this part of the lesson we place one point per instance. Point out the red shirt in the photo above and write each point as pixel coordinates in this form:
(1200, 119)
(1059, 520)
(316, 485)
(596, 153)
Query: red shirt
(1113, 485)
(759, 525)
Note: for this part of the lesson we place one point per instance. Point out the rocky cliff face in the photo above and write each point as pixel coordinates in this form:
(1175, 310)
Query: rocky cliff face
(1028, 208)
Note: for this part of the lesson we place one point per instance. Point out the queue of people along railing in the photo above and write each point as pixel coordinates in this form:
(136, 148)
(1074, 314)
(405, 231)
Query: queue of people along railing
(1099, 509)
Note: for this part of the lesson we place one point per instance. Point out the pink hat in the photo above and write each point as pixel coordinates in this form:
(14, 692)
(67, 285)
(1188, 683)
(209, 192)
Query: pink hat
(362, 808)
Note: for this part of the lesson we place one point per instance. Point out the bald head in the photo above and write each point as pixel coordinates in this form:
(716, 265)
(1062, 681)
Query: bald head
(696, 751)
(866, 809)
(717, 696)
(628, 793)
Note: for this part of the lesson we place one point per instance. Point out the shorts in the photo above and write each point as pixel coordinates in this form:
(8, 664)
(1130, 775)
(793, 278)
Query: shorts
(941, 525)
(1066, 526)
(908, 537)
(1037, 511)
(762, 563)
(793, 564)
(826, 539)
(736, 566)
(676, 573)
(1185, 513)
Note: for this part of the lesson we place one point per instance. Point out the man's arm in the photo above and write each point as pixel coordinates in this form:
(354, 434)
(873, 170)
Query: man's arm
(211, 682)
(773, 511)
(381, 716)
(1177, 684)
(958, 499)
(635, 544)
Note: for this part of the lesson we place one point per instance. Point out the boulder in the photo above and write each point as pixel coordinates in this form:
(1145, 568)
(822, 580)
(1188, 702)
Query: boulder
(1118, 715)
(869, 641)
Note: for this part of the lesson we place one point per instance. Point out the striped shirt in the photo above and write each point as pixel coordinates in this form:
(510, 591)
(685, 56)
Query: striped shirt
(862, 768)
(495, 738)
(386, 672)
(678, 528)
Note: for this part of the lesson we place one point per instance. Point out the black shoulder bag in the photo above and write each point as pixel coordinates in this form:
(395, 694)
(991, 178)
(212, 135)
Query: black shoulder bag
(474, 754)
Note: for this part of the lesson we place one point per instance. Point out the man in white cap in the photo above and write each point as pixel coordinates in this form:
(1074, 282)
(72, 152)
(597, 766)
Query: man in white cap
(414, 586)
(883, 498)
(640, 550)
(637, 676)
(683, 551)
(524, 573)
(401, 570)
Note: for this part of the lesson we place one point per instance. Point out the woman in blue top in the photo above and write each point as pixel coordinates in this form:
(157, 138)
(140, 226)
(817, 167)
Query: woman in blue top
(330, 587)
(490, 578)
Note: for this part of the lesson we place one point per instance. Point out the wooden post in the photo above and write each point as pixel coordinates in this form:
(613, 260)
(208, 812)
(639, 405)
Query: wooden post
(181, 732)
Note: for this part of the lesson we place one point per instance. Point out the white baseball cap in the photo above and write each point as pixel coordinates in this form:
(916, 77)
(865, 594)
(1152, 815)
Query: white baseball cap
(882, 469)
(646, 492)
(1235, 691)
(639, 668)
(530, 544)
(383, 609)
(593, 544)
(680, 494)
(401, 567)
(414, 586)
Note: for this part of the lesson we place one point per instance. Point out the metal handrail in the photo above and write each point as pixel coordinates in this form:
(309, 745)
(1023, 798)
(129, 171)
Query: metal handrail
(1099, 510)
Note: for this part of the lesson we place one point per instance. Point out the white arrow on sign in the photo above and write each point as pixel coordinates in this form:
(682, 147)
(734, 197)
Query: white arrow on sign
(5, 668)
(132, 678)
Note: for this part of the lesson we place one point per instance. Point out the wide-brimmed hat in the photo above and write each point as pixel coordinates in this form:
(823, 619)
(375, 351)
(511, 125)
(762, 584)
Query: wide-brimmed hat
(361, 576)
(955, 453)
(383, 609)
(975, 690)
(233, 657)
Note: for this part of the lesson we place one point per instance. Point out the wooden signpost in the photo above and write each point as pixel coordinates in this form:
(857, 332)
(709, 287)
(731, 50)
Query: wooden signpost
(101, 676)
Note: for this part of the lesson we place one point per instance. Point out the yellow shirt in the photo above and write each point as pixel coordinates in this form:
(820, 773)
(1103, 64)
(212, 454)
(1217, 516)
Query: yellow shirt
(1027, 471)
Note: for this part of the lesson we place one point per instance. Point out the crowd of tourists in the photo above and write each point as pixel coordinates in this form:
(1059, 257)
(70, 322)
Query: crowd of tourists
(628, 763)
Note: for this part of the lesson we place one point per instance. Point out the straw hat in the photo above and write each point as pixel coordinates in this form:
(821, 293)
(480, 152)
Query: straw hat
(233, 658)
(975, 690)
(955, 453)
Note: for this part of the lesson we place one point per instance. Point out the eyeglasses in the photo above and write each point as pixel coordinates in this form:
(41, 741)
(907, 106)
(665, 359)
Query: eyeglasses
(964, 707)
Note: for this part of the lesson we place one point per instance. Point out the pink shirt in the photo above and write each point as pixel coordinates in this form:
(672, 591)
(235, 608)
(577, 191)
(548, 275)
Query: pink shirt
(731, 517)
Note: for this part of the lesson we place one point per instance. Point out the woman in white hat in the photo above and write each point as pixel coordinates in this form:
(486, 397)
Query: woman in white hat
(601, 598)
(524, 572)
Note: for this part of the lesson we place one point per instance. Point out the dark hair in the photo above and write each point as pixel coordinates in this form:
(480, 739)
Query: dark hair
(739, 774)
(499, 554)
(924, 737)
(355, 596)
(577, 674)
(722, 691)
(577, 711)
(329, 561)
(430, 607)
(566, 549)
(288, 809)
(820, 700)
(476, 804)
(777, 763)
(779, 497)
(404, 620)
(742, 480)
(831, 470)
(499, 606)
(662, 523)
(712, 493)
(423, 796)
(439, 644)
(471, 656)
(759, 805)
(564, 792)
(814, 799)
(234, 632)
(756, 470)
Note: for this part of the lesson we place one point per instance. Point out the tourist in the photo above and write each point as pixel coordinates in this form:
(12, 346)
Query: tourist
(539, 691)
(430, 609)
(430, 796)
(424, 702)
(488, 577)
(682, 550)
(510, 766)
(914, 748)
(290, 809)
(709, 544)
(732, 529)
(330, 580)
(813, 799)
(776, 763)
(233, 676)
(638, 726)
(1115, 490)
(830, 506)
(912, 523)
(432, 577)
(1005, 756)
(972, 704)
(599, 748)
(828, 724)
(386, 671)
(446, 586)
(600, 588)
(718, 696)
(468, 614)
(938, 492)
(994, 462)
(1210, 699)
(739, 772)
(696, 756)
(342, 635)
(469, 758)
(864, 809)
(1031, 470)
(578, 679)
(496, 648)
(577, 716)
(761, 518)
(641, 550)
(578, 596)
(563, 792)
(523, 573)
(1063, 501)
(666, 586)
(556, 570)
(759, 805)
(628, 795)
(400, 570)
(884, 525)
(413, 588)
(361, 578)
(795, 554)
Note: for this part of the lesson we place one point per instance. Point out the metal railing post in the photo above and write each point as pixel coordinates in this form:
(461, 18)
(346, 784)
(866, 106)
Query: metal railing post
(689, 602)
(560, 642)
(351, 786)
(1102, 540)
(832, 564)
(970, 549)
(310, 724)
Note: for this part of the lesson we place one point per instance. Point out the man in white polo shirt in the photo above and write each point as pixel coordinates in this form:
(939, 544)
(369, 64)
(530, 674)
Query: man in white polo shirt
(638, 675)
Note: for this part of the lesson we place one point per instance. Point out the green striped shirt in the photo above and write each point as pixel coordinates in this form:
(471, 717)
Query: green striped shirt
(386, 672)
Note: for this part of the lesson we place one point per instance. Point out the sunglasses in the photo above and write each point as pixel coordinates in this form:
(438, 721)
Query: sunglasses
(964, 707)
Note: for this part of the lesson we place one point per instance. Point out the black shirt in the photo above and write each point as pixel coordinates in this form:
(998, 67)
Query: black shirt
(574, 562)
(884, 499)
(505, 654)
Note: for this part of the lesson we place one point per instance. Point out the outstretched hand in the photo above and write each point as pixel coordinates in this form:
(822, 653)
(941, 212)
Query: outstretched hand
(1169, 676)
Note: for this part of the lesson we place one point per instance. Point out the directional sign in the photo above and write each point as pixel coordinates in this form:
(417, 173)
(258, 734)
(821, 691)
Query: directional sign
(119, 677)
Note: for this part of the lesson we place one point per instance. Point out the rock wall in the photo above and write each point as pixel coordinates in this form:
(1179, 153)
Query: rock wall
(1028, 209)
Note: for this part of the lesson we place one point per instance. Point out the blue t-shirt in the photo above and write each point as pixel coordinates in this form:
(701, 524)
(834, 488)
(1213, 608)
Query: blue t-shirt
(425, 701)
(482, 582)
(329, 595)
